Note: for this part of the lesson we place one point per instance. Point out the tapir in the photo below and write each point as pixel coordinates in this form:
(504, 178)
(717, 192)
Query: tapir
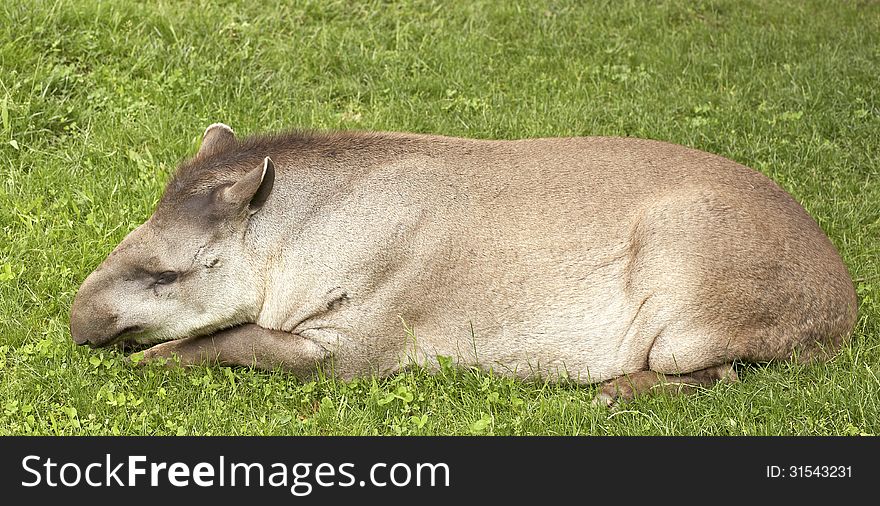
(638, 264)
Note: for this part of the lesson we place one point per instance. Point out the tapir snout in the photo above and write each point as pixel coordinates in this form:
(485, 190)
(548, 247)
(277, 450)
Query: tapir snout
(94, 321)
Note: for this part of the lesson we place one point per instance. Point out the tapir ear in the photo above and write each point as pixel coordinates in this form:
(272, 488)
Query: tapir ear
(216, 137)
(252, 190)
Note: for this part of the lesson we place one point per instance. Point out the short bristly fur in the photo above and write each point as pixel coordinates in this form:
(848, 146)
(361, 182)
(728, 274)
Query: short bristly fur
(648, 264)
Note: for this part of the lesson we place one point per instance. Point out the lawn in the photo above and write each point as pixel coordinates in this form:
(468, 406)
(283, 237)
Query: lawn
(100, 100)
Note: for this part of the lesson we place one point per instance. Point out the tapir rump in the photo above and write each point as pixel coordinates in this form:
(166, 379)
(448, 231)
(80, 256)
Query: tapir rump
(637, 263)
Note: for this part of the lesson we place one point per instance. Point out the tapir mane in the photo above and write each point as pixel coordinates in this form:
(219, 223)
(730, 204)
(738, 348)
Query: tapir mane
(203, 173)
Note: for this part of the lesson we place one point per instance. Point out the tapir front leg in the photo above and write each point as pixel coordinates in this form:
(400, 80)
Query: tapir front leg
(246, 345)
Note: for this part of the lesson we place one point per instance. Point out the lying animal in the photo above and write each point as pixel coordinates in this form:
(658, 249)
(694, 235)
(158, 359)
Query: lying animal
(639, 263)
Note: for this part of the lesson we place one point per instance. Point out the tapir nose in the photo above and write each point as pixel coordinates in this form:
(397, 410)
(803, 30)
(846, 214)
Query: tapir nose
(88, 325)
(81, 329)
(92, 321)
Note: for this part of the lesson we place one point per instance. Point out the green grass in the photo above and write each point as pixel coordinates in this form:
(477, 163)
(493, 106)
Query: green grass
(100, 100)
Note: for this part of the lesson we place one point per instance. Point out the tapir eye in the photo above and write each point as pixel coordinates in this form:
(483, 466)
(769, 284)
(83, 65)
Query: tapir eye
(166, 277)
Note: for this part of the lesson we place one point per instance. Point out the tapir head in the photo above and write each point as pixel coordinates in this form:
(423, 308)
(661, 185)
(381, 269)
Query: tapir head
(190, 269)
